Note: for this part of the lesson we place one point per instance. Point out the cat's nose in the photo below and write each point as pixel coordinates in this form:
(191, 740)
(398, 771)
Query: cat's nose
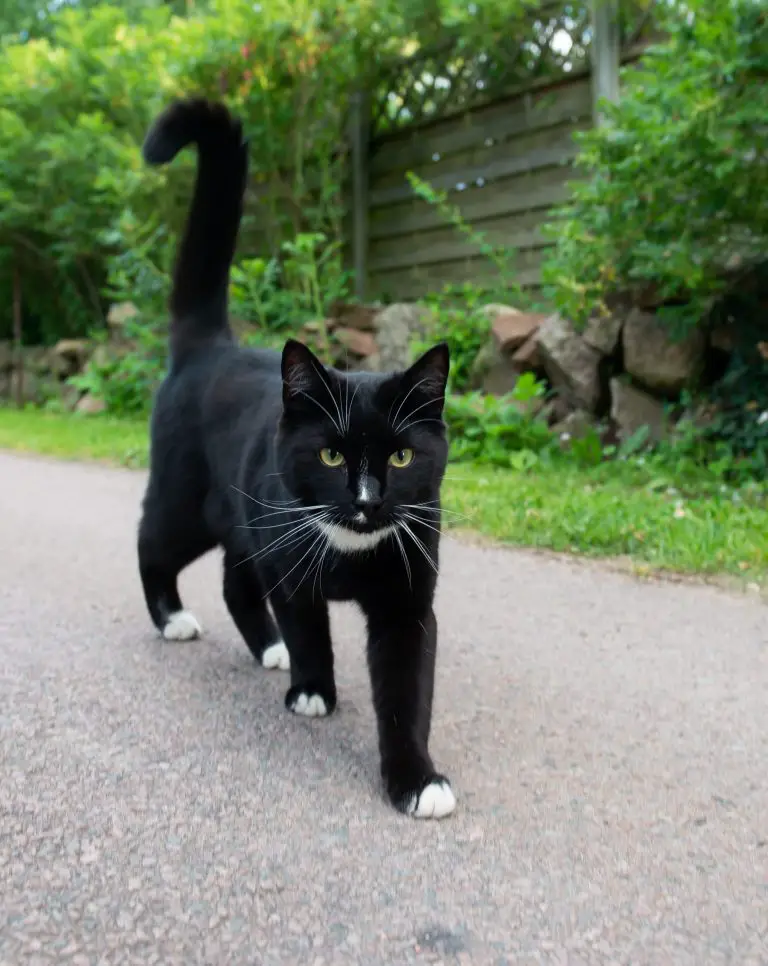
(368, 500)
(368, 503)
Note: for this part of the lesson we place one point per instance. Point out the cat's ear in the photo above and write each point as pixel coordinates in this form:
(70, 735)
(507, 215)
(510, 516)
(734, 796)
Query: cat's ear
(302, 372)
(428, 376)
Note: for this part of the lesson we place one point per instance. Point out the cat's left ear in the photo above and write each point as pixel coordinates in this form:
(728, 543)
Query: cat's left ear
(428, 376)
(302, 372)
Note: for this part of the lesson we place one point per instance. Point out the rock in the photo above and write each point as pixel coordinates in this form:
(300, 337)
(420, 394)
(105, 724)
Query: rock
(554, 410)
(603, 333)
(361, 344)
(397, 327)
(632, 408)
(572, 365)
(67, 357)
(351, 316)
(575, 425)
(69, 396)
(6, 356)
(655, 360)
(37, 359)
(90, 406)
(32, 390)
(527, 357)
(492, 371)
(496, 308)
(76, 349)
(512, 329)
(316, 326)
(120, 313)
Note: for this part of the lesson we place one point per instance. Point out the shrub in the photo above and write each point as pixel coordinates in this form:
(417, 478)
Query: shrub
(498, 430)
(675, 199)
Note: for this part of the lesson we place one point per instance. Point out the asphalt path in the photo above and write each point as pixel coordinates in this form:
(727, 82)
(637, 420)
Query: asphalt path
(607, 740)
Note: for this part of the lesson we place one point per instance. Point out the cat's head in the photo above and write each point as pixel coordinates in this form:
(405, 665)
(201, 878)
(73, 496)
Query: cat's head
(367, 450)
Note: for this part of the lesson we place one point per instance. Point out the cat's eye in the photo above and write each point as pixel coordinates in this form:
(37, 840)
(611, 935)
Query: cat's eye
(401, 458)
(331, 457)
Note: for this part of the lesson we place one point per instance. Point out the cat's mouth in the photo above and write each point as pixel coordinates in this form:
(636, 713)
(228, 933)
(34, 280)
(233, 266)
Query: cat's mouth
(361, 523)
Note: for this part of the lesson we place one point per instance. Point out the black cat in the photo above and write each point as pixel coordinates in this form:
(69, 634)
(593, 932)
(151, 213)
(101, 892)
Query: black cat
(318, 485)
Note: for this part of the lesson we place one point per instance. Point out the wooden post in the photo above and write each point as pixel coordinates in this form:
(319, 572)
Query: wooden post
(359, 133)
(17, 334)
(606, 54)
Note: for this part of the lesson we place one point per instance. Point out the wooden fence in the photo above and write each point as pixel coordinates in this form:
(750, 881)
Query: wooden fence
(504, 164)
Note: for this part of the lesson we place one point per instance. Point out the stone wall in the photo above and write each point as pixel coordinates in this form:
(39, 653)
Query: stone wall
(45, 372)
(621, 371)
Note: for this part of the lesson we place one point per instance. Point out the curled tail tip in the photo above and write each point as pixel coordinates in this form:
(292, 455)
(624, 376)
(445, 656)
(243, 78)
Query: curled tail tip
(192, 120)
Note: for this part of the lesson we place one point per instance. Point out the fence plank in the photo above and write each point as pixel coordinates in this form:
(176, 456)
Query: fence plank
(484, 155)
(446, 244)
(533, 191)
(546, 157)
(417, 282)
(499, 122)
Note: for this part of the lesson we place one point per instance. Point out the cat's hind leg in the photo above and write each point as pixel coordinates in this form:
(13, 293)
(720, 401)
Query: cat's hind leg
(245, 600)
(166, 547)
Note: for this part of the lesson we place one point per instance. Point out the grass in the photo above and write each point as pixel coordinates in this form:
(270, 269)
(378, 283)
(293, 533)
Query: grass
(613, 510)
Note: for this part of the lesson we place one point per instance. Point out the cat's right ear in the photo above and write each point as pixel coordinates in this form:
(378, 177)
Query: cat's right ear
(302, 372)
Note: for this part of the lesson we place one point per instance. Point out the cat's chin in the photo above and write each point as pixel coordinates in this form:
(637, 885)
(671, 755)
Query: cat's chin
(351, 536)
(360, 524)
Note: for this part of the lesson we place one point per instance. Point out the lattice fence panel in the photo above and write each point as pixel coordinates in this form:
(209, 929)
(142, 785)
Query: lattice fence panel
(549, 42)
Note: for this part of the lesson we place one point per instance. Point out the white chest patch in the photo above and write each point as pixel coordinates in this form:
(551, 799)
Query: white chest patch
(350, 541)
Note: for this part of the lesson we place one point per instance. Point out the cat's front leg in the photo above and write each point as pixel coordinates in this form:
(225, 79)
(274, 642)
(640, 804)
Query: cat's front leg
(401, 658)
(305, 628)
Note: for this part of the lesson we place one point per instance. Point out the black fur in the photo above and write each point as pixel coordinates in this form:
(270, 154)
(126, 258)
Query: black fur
(236, 438)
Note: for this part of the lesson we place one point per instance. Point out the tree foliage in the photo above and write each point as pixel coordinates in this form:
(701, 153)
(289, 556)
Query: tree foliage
(79, 83)
(673, 204)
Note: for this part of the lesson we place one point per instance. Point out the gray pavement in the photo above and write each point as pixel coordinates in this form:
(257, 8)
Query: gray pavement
(607, 740)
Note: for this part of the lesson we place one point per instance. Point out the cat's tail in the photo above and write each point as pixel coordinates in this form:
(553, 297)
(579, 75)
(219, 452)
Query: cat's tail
(201, 275)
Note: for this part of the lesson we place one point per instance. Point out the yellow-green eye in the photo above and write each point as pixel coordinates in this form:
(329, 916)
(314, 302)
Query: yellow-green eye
(331, 457)
(401, 458)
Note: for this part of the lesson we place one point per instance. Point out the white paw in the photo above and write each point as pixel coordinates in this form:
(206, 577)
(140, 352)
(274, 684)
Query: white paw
(310, 705)
(436, 801)
(182, 626)
(276, 657)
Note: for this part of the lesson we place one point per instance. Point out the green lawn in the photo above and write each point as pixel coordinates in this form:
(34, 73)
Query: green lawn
(610, 511)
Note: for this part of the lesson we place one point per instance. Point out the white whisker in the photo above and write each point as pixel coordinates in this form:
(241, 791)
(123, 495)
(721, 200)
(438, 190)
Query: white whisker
(416, 422)
(415, 386)
(323, 378)
(285, 523)
(434, 509)
(319, 569)
(275, 505)
(404, 555)
(349, 407)
(419, 544)
(423, 523)
(317, 539)
(283, 541)
(429, 402)
(321, 406)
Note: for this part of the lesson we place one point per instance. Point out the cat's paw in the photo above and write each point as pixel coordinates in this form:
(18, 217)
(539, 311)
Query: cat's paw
(435, 801)
(276, 657)
(310, 702)
(182, 626)
(431, 796)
